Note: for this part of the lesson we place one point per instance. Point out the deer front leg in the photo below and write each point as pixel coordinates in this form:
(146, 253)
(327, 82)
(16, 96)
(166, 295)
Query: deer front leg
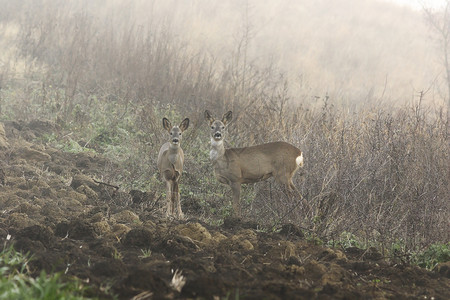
(177, 201)
(236, 189)
(169, 198)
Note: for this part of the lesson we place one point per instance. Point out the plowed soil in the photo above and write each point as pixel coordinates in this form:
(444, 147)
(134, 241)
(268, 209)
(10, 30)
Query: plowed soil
(54, 206)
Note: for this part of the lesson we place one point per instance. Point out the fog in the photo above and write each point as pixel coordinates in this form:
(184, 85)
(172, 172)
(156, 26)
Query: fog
(420, 4)
(349, 50)
(352, 51)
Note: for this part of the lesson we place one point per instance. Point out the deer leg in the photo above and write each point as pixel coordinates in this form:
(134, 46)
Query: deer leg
(293, 190)
(236, 188)
(169, 198)
(176, 203)
(173, 199)
(287, 185)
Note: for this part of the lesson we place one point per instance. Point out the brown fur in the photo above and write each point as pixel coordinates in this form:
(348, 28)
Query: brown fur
(170, 165)
(235, 166)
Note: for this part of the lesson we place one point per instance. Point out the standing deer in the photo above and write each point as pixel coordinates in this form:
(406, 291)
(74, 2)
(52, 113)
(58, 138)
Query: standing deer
(170, 165)
(235, 166)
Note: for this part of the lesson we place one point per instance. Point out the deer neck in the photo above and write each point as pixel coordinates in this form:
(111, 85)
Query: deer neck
(217, 150)
(173, 154)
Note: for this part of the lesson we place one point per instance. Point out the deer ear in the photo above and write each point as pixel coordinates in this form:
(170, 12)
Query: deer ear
(227, 117)
(184, 125)
(209, 117)
(166, 124)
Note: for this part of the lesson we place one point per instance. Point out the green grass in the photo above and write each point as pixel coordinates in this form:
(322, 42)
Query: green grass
(425, 258)
(433, 255)
(145, 253)
(16, 282)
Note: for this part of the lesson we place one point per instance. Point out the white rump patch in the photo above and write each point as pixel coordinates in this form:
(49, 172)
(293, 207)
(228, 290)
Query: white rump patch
(299, 160)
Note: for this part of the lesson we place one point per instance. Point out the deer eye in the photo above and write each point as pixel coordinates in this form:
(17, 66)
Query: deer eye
(212, 127)
(171, 133)
(223, 127)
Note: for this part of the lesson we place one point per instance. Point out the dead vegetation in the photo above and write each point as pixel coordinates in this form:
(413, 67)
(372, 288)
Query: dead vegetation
(376, 171)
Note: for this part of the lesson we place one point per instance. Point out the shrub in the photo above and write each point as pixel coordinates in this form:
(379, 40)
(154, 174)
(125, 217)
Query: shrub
(433, 255)
(377, 172)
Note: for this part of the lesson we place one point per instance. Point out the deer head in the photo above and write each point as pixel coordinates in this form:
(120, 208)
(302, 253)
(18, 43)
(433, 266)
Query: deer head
(175, 131)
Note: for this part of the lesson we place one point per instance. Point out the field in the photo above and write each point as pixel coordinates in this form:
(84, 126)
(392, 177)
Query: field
(116, 244)
(84, 86)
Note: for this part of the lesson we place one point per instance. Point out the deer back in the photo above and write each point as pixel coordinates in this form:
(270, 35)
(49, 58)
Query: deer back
(256, 163)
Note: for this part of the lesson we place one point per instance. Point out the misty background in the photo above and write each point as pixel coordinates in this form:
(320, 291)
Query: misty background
(360, 86)
(350, 50)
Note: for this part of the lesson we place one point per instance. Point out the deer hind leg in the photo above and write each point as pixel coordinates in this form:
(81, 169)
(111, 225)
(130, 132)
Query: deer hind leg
(285, 180)
(292, 192)
(294, 189)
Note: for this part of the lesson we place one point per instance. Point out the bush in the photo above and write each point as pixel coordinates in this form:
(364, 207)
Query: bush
(433, 255)
(377, 172)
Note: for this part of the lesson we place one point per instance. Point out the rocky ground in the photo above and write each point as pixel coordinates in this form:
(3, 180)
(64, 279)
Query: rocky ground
(54, 206)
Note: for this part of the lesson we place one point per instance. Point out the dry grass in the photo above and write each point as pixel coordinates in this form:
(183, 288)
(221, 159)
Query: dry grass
(378, 172)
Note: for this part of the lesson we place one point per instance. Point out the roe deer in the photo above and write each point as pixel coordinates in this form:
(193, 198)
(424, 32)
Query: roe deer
(170, 165)
(235, 166)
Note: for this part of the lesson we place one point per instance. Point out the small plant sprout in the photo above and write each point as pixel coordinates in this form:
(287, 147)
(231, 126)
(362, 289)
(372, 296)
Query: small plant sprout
(178, 281)
(117, 255)
(145, 253)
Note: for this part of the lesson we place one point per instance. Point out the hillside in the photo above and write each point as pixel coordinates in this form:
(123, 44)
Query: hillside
(117, 243)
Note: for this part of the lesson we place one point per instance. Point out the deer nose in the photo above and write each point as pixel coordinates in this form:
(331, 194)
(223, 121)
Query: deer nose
(217, 135)
(175, 140)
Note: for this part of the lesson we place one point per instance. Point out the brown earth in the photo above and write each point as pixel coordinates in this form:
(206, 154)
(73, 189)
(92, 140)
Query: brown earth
(53, 208)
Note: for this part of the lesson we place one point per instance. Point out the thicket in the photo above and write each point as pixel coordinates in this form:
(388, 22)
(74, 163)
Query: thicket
(377, 172)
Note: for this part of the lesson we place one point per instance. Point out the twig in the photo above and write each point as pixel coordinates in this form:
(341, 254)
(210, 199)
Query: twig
(107, 184)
